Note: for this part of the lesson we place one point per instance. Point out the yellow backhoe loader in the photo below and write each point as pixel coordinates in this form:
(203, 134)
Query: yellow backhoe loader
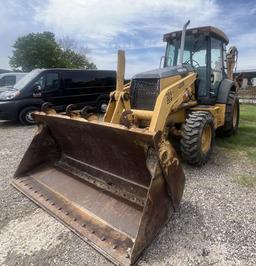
(116, 182)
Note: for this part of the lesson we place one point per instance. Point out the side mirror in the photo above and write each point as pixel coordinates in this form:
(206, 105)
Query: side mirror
(37, 87)
(161, 65)
(37, 90)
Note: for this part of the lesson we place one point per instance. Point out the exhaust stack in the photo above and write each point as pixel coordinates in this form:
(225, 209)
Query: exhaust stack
(182, 43)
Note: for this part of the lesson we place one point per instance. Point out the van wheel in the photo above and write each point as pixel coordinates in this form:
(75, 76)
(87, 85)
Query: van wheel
(102, 106)
(25, 116)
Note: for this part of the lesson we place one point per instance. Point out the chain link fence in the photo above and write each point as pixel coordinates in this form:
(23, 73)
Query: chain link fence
(248, 95)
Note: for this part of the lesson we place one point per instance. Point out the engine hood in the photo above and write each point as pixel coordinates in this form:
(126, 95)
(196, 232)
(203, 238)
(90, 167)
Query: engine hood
(165, 72)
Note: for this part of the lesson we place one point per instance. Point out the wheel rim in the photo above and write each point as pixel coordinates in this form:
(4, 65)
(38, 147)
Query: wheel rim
(103, 108)
(235, 115)
(206, 139)
(29, 117)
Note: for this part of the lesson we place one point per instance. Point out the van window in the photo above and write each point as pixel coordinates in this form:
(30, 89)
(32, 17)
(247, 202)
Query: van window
(40, 81)
(105, 79)
(51, 81)
(22, 83)
(78, 79)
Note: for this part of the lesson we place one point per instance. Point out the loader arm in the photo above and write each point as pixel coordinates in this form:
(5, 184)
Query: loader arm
(231, 59)
(119, 99)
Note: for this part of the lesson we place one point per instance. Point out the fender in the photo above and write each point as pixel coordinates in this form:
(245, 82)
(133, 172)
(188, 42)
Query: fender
(225, 87)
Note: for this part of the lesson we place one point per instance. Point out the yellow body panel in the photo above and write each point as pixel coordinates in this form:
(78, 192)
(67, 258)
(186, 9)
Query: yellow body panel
(217, 111)
(170, 99)
(165, 82)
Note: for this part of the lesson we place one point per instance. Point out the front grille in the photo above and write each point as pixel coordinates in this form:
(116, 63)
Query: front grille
(144, 93)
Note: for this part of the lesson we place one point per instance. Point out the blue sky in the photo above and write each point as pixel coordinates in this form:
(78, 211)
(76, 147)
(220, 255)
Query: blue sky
(134, 25)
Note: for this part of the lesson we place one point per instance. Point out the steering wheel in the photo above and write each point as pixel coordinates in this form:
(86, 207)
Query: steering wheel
(193, 60)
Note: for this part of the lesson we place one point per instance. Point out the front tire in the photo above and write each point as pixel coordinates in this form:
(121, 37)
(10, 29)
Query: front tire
(198, 137)
(25, 116)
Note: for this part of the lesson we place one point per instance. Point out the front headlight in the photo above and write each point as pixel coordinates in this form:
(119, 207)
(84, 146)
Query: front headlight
(8, 95)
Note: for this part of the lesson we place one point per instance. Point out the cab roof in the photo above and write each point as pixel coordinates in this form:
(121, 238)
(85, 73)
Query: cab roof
(206, 30)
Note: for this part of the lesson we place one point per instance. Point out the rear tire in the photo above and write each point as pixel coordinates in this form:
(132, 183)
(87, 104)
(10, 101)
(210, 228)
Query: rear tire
(198, 137)
(25, 116)
(231, 116)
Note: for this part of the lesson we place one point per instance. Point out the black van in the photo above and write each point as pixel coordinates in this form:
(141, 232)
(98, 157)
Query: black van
(60, 87)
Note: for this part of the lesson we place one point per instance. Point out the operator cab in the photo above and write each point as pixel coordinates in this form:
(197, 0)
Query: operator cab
(204, 50)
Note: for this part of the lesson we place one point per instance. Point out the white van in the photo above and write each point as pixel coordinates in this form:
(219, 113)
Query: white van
(10, 78)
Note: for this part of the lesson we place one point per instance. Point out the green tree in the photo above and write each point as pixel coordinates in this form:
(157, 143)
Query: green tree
(73, 59)
(40, 50)
(74, 53)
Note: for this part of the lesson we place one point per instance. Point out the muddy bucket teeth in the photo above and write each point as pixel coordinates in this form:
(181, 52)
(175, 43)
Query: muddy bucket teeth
(103, 181)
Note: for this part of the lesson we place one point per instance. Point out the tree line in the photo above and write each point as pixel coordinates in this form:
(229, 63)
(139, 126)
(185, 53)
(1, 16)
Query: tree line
(42, 50)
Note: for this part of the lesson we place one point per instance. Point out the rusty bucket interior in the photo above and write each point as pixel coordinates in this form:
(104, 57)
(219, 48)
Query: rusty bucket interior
(103, 181)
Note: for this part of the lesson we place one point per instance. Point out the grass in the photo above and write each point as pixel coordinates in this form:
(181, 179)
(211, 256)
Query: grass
(245, 139)
(246, 181)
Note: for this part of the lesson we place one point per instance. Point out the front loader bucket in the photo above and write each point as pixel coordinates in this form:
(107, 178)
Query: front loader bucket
(102, 180)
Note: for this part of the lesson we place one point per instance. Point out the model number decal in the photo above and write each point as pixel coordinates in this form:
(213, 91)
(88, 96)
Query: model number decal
(168, 97)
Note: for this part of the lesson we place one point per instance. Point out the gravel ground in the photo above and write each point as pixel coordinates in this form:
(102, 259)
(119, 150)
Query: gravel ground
(216, 223)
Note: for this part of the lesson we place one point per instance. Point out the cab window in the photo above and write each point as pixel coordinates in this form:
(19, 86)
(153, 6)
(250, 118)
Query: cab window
(216, 62)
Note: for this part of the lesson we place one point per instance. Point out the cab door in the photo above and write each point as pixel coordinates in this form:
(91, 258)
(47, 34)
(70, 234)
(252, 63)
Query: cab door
(216, 66)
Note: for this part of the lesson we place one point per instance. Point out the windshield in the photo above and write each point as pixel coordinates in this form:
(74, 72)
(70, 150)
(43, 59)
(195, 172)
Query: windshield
(194, 51)
(26, 79)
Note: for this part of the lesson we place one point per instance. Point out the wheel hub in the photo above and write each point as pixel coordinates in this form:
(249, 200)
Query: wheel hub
(206, 139)
(29, 117)
(103, 108)
(235, 115)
